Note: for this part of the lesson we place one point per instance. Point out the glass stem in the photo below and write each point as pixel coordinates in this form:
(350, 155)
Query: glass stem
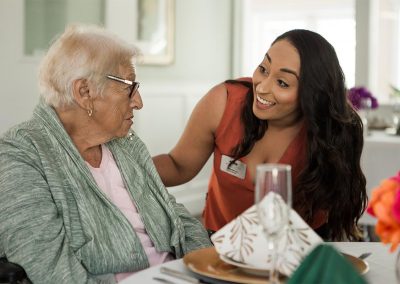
(273, 274)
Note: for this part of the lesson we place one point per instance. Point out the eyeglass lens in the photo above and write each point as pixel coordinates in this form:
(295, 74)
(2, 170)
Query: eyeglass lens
(135, 87)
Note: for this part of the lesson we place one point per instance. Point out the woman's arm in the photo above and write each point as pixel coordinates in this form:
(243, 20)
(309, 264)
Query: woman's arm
(196, 144)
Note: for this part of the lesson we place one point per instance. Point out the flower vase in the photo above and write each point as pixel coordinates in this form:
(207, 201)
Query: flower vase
(396, 114)
(365, 107)
(364, 113)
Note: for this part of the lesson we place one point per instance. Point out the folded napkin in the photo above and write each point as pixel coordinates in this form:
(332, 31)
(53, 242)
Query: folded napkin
(326, 265)
(243, 241)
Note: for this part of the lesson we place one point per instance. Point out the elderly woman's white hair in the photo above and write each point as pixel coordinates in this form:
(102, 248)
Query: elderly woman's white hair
(81, 52)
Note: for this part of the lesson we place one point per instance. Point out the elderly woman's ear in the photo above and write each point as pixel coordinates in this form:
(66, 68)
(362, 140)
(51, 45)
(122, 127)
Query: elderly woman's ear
(82, 95)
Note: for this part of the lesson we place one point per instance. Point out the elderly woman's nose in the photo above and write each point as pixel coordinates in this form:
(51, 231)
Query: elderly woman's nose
(136, 101)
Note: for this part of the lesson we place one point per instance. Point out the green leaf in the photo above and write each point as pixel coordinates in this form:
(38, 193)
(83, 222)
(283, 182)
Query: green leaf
(395, 91)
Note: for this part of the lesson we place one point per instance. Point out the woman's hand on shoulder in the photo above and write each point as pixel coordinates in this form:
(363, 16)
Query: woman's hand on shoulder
(196, 144)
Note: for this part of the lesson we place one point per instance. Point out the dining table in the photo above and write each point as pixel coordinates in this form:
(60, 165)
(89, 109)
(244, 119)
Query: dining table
(380, 262)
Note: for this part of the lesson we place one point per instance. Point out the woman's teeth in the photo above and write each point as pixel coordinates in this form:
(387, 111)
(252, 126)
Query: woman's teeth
(264, 102)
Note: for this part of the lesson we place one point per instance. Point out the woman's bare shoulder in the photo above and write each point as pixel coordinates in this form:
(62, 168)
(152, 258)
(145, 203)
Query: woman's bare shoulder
(216, 94)
(211, 107)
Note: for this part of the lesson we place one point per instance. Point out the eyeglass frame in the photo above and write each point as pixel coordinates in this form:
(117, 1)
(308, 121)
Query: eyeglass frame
(135, 85)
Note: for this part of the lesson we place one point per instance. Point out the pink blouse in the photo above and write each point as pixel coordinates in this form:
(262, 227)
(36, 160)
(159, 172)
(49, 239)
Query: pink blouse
(109, 179)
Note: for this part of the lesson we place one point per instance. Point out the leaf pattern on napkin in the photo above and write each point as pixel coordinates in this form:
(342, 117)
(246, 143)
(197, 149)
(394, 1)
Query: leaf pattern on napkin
(294, 243)
(243, 240)
(298, 236)
(241, 237)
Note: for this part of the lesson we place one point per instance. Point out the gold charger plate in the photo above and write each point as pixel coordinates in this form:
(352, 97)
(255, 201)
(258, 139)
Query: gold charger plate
(247, 268)
(207, 262)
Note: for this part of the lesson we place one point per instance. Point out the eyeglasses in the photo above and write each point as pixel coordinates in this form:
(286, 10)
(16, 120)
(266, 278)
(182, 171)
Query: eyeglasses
(134, 85)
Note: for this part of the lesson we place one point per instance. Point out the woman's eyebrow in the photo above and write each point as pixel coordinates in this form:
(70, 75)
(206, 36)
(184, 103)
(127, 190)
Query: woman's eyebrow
(290, 71)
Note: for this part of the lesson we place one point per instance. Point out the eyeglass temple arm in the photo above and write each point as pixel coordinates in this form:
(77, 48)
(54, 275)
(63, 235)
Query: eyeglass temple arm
(120, 80)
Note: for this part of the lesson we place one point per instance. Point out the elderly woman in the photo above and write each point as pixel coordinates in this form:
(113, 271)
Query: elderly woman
(81, 200)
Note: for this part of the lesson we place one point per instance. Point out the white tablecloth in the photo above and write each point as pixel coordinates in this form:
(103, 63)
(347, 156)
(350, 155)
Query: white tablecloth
(381, 265)
(380, 160)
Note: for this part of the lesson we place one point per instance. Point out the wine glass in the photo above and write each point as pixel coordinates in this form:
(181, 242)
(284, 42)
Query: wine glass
(273, 198)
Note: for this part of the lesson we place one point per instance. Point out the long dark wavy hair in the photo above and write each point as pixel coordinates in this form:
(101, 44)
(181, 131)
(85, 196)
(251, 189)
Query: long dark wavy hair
(332, 179)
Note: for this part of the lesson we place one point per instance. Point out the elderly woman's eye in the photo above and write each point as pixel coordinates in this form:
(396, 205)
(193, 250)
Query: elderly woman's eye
(129, 89)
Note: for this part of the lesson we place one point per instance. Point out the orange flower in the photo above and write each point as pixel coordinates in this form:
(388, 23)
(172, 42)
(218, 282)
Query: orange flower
(385, 206)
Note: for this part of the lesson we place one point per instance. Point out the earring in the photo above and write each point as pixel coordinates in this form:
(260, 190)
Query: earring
(90, 112)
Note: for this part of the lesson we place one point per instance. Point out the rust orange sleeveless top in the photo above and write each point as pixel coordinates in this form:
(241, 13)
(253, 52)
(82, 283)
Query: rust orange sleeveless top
(228, 196)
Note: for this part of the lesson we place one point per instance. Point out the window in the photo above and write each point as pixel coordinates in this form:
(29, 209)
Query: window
(44, 19)
(264, 20)
(384, 45)
(368, 51)
(148, 24)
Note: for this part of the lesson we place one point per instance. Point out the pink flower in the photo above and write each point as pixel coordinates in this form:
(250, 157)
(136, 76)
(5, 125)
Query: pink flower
(396, 205)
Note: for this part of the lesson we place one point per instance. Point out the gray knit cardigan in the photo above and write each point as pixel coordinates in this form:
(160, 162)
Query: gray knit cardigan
(61, 228)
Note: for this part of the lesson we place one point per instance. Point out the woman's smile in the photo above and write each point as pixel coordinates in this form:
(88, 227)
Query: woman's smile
(263, 103)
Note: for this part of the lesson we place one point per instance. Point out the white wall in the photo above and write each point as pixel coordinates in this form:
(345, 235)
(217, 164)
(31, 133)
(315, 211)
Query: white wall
(17, 74)
(203, 44)
(202, 59)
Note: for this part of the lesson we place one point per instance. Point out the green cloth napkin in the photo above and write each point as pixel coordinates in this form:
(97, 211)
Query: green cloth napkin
(325, 264)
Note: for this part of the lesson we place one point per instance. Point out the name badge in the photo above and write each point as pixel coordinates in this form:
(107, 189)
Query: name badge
(237, 169)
